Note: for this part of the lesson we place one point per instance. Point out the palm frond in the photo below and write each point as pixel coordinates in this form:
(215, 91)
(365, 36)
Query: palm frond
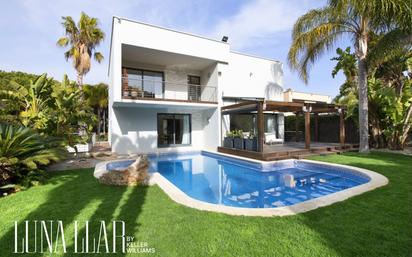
(23, 152)
(82, 38)
(63, 41)
(98, 57)
(388, 47)
(382, 14)
(312, 35)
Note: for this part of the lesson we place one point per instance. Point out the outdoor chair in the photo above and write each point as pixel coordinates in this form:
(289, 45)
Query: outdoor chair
(271, 138)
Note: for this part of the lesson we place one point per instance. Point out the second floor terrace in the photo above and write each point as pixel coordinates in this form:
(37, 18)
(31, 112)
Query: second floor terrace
(152, 85)
(149, 74)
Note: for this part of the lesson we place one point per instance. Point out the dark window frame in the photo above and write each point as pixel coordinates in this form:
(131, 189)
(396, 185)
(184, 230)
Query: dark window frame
(194, 76)
(174, 145)
(197, 88)
(254, 117)
(147, 70)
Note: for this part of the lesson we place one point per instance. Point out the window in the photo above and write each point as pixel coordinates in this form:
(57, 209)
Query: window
(143, 82)
(194, 92)
(246, 122)
(271, 124)
(173, 129)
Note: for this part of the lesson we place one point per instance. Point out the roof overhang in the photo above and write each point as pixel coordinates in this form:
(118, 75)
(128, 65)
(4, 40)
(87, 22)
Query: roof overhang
(279, 106)
(168, 60)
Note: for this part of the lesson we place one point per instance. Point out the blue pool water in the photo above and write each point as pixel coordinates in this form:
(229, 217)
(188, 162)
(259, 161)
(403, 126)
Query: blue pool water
(222, 180)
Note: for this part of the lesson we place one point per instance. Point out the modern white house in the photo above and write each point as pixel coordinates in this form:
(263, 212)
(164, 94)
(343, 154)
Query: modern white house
(167, 88)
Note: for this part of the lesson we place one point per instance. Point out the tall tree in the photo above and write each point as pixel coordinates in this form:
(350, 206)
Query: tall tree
(97, 98)
(319, 30)
(83, 39)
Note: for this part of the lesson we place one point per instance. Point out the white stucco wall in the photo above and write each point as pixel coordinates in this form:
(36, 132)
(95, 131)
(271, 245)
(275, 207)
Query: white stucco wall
(290, 95)
(111, 74)
(250, 76)
(209, 78)
(155, 37)
(211, 129)
(135, 130)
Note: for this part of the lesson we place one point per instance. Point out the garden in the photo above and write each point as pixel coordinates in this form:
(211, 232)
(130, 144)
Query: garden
(42, 118)
(376, 223)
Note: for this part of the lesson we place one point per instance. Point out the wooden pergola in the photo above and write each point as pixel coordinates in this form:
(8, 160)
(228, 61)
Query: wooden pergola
(305, 108)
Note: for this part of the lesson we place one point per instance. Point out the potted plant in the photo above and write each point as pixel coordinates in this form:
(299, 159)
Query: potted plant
(134, 92)
(251, 142)
(238, 139)
(126, 91)
(228, 140)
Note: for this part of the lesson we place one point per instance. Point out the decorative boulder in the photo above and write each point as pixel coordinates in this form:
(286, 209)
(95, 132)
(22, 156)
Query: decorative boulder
(135, 174)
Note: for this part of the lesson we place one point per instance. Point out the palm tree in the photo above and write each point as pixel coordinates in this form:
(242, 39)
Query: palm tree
(97, 97)
(320, 29)
(83, 38)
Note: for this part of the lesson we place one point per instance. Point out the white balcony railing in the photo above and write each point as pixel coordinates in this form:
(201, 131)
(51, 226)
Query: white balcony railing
(133, 88)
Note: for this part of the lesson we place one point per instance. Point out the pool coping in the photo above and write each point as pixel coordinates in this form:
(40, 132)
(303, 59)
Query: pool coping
(376, 180)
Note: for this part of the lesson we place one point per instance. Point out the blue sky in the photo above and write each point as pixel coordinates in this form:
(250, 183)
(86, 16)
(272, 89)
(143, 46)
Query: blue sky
(30, 29)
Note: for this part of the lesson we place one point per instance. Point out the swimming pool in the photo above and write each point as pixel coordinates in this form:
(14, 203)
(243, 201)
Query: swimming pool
(222, 180)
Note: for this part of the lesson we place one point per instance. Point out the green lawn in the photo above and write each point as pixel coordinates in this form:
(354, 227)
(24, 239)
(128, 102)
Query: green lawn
(377, 223)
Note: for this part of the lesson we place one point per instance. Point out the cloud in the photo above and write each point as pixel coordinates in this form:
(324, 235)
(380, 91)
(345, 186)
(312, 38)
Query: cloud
(31, 37)
(261, 22)
(261, 27)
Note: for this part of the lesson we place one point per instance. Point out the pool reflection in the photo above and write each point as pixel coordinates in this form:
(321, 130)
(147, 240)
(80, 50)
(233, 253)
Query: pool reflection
(225, 181)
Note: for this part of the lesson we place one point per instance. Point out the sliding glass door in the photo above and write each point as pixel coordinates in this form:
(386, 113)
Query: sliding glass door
(153, 83)
(144, 83)
(173, 129)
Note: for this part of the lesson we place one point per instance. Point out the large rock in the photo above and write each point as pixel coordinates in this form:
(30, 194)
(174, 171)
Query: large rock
(135, 174)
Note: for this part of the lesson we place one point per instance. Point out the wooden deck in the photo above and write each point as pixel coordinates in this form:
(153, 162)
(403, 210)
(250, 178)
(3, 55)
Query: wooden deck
(294, 150)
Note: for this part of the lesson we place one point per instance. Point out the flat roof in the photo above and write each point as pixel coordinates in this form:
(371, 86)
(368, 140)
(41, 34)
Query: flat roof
(181, 32)
(174, 30)
(255, 56)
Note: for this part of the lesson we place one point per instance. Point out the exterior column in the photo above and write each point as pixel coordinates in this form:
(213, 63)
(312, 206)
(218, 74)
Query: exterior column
(316, 132)
(296, 126)
(342, 128)
(307, 129)
(260, 127)
(221, 129)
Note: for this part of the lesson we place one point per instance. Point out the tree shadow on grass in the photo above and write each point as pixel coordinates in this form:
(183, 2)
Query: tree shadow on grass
(78, 196)
(124, 207)
(129, 212)
(376, 223)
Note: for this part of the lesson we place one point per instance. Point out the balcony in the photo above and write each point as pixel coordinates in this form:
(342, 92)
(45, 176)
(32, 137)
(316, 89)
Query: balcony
(145, 89)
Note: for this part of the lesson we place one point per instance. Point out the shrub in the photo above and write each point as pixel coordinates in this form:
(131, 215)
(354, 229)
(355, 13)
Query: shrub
(54, 108)
(24, 153)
